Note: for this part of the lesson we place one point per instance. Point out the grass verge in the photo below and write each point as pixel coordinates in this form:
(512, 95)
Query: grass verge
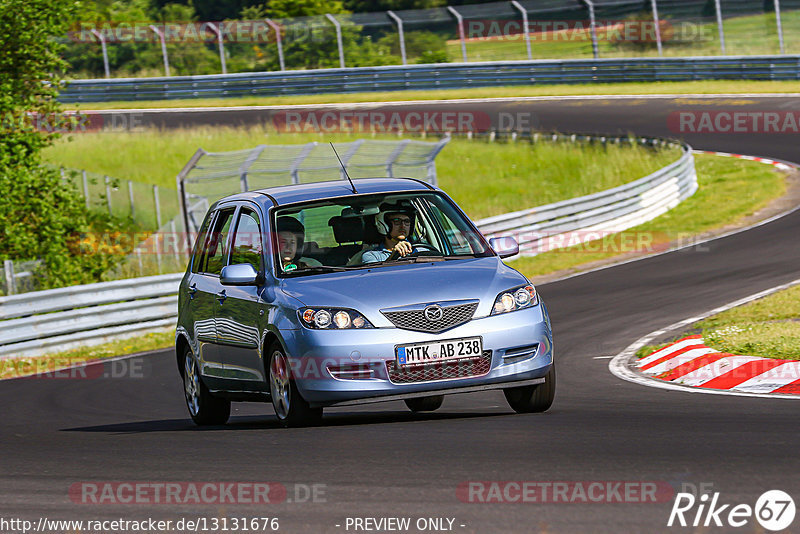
(729, 189)
(768, 328)
(484, 178)
(632, 88)
(46, 366)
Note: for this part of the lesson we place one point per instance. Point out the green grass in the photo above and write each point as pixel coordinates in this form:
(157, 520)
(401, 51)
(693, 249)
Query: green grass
(631, 88)
(729, 189)
(768, 328)
(484, 178)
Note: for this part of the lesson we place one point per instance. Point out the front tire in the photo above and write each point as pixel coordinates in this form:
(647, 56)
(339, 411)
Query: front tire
(290, 407)
(425, 404)
(533, 399)
(204, 408)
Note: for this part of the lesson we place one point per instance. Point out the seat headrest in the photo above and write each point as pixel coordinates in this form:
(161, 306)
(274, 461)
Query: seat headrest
(347, 229)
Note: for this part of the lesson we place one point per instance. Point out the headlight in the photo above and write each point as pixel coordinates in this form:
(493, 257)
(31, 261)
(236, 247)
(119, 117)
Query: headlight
(332, 319)
(515, 299)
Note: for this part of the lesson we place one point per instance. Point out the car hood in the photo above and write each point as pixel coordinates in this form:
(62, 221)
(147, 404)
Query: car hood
(371, 290)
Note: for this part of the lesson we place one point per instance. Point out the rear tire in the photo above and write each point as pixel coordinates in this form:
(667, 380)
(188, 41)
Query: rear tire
(533, 399)
(204, 408)
(425, 404)
(290, 407)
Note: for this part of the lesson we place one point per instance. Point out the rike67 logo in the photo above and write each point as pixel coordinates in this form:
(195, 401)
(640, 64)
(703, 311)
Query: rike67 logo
(774, 510)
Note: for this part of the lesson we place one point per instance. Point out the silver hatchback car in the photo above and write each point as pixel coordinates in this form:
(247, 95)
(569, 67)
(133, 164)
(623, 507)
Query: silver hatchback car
(328, 294)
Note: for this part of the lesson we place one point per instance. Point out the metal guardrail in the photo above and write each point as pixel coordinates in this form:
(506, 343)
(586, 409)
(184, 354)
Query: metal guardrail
(59, 319)
(439, 76)
(56, 320)
(594, 216)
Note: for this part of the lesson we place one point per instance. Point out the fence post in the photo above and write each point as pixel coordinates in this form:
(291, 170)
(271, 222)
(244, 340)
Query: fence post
(246, 164)
(174, 240)
(105, 51)
(130, 197)
(108, 193)
(718, 9)
(8, 268)
(85, 188)
(293, 170)
(399, 22)
(525, 30)
(394, 155)
(462, 38)
(278, 39)
(780, 26)
(338, 37)
(593, 27)
(158, 207)
(160, 35)
(217, 30)
(658, 26)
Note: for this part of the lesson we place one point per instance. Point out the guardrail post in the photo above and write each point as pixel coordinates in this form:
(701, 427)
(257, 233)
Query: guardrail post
(525, 29)
(718, 9)
(85, 188)
(399, 22)
(462, 38)
(105, 51)
(780, 26)
(593, 27)
(160, 35)
(218, 31)
(654, 5)
(8, 269)
(108, 193)
(338, 37)
(278, 39)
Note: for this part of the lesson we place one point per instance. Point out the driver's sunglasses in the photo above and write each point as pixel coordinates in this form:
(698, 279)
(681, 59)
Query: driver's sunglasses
(405, 221)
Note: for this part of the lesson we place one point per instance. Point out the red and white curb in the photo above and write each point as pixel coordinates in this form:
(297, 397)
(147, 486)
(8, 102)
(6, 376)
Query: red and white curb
(781, 165)
(699, 373)
(690, 362)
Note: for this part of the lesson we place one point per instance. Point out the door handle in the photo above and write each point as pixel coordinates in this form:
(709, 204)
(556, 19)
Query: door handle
(221, 296)
(192, 290)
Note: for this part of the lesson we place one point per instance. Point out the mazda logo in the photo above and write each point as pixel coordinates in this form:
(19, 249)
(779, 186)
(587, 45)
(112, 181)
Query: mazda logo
(434, 312)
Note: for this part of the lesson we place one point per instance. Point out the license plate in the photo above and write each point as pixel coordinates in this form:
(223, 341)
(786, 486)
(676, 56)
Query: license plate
(450, 349)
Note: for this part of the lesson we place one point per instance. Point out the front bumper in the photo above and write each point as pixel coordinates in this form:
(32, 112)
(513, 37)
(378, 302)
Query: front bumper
(520, 343)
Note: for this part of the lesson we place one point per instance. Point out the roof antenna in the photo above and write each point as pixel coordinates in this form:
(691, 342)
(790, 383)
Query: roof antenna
(343, 168)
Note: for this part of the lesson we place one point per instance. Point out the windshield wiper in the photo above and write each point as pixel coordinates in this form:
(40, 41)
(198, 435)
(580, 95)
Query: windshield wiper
(320, 269)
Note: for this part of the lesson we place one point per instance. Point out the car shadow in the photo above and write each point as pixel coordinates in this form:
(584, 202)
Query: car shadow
(266, 422)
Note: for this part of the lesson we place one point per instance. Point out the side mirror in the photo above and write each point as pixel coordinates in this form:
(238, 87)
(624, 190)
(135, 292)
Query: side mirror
(504, 246)
(242, 274)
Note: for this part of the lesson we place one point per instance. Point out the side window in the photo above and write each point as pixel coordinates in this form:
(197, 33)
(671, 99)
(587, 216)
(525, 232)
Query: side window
(198, 249)
(216, 252)
(247, 240)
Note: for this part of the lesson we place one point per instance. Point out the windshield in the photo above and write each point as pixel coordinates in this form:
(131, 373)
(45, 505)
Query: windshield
(362, 231)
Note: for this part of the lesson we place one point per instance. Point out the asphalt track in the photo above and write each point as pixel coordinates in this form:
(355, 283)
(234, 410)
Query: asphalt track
(381, 461)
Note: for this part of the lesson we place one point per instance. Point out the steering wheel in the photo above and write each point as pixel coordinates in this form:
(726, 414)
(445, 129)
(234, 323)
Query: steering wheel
(423, 249)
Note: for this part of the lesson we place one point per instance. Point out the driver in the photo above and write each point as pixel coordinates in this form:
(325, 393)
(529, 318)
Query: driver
(291, 235)
(395, 226)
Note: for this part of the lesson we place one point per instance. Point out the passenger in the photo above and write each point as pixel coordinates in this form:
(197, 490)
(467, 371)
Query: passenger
(291, 236)
(395, 227)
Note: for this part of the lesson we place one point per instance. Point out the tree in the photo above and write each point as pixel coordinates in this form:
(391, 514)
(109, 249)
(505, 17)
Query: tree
(43, 218)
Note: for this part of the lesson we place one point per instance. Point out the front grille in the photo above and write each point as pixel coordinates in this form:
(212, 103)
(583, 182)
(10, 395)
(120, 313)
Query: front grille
(445, 370)
(452, 316)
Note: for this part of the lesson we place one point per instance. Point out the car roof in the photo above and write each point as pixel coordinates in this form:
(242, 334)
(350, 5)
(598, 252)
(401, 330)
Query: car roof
(289, 194)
